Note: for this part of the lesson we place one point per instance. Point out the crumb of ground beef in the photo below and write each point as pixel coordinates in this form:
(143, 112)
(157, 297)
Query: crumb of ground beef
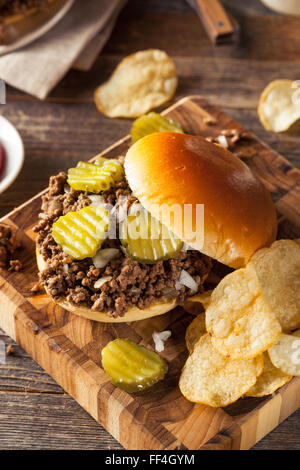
(232, 136)
(131, 283)
(10, 350)
(36, 288)
(15, 265)
(8, 245)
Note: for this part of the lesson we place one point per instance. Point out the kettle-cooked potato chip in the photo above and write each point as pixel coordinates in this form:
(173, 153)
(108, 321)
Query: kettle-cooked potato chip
(140, 82)
(238, 317)
(285, 353)
(193, 308)
(197, 303)
(269, 381)
(202, 298)
(210, 378)
(278, 272)
(194, 331)
(279, 106)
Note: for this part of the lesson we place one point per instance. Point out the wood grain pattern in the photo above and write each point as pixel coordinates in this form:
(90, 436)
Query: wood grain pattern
(66, 127)
(68, 347)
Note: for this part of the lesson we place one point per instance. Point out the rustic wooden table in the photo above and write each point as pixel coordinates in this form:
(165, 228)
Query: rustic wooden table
(35, 413)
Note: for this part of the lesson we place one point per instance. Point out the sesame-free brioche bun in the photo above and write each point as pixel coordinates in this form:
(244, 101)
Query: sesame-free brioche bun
(170, 168)
(133, 314)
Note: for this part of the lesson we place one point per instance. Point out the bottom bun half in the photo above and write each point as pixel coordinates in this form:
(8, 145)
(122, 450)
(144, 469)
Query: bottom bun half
(133, 314)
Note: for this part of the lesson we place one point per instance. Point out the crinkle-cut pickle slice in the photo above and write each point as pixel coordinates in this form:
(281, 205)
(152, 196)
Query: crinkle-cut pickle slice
(132, 367)
(114, 167)
(81, 233)
(95, 177)
(147, 240)
(153, 122)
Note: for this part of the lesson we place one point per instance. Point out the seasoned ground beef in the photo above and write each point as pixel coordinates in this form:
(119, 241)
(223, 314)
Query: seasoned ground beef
(131, 283)
(17, 7)
(8, 245)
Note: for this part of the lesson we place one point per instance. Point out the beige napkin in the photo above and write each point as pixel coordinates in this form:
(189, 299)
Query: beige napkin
(75, 41)
(90, 53)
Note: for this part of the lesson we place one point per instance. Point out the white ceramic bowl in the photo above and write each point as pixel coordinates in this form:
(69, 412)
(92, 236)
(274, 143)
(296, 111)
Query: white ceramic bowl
(39, 30)
(288, 7)
(14, 149)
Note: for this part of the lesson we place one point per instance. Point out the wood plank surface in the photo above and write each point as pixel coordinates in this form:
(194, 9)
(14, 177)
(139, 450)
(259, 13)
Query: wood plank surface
(67, 127)
(69, 347)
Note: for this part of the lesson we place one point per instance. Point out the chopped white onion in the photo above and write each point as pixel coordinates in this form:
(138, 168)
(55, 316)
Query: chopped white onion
(102, 281)
(186, 247)
(223, 141)
(135, 290)
(54, 205)
(66, 268)
(42, 215)
(169, 292)
(96, 200)
(67, 188)
(44, 205)
(159, 339)
(185, 279)
(103, 257)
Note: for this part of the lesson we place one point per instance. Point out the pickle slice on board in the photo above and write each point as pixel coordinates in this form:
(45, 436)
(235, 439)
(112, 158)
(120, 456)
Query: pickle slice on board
(114, 167)
(153, 122)
(81, 233)
(147, 240)
(132, 367)
(99, 161)
(93, 177)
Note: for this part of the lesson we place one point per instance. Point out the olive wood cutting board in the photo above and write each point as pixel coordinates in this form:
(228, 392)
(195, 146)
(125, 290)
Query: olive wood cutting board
(69, 347)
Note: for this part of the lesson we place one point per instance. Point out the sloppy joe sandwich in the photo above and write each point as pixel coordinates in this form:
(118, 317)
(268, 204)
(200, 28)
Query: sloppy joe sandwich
(121, 240)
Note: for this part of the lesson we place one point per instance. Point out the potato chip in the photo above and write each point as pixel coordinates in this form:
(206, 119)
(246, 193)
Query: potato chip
(269, 381)
(197, 303)
(285, 353)
(193, 308)
(194, 331)
(238, 317)
(279, 106)
(140, 82)
(210, 378)
(278, 272)
(203, 298)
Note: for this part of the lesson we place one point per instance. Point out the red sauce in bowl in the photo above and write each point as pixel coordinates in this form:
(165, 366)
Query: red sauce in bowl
(2, 159)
